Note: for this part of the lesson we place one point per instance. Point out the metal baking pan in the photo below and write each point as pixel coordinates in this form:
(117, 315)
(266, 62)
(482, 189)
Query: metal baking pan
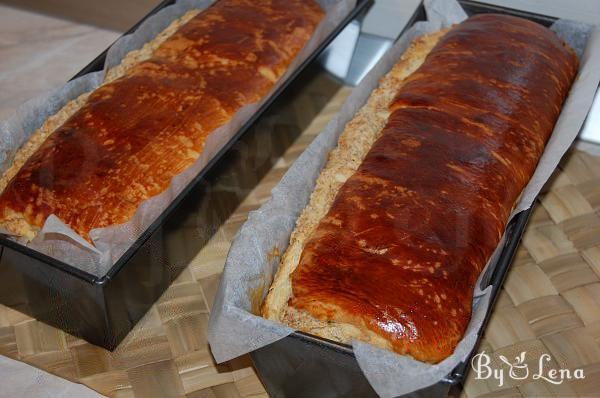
(303, 365)
(103, 310)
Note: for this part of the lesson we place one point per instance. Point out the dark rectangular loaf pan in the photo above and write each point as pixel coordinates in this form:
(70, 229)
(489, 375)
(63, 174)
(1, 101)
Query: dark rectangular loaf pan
(103, 310)
(302, 365)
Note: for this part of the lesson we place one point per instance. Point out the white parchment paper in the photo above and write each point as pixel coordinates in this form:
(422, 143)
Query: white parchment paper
(56, 239)
(234, 329)
(23, 380)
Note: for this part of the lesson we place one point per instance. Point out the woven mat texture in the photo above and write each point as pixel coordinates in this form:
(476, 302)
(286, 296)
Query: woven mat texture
(550, 302)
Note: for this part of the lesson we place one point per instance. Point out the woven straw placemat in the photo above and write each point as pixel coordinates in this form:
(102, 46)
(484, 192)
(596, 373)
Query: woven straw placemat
(550, 302)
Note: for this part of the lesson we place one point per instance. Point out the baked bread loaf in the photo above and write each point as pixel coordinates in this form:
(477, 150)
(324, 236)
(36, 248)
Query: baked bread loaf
(123, 143)
(416, 196)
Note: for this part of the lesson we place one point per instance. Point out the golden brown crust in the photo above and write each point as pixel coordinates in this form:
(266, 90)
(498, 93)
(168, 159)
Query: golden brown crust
(54, 121)
(124, 142)
(15, 222)
(397, 254)
(354, 143)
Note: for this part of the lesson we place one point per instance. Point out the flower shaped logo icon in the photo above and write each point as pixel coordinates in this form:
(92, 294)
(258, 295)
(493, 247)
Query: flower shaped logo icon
(517, 370)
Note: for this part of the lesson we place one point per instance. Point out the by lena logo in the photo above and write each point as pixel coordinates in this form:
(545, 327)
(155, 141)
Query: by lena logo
(519, 369)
